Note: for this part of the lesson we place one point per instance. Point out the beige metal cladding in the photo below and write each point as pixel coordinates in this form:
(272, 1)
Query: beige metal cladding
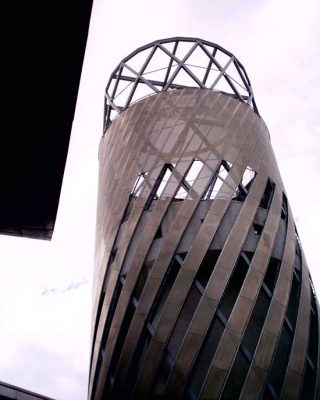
(201, 286)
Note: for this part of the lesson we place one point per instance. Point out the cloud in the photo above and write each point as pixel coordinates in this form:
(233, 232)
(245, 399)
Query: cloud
(46, 291)
(71, 286)
(74, 286)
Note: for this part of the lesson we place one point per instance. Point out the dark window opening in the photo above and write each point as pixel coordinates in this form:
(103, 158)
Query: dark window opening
(113, 304)
(241, 364)
(292, 309)
(112, 256)
(136, 363)
(311, 363)
(145, 270)
(128, 209)
(98, 367)
(256, 321)
(240, 367)
(205, 356)
(259, 312)
(118, 348)
(142, 279)
(272, 273)
(236, 378)
(106, 328)
(217, 325)
(257, 229)
(284, 210)
(163, 373)
(267, 195)
(297, 265)
(101, 300)
(112, 307)
(184, 319)
(308, 383)
(279, 365)
(165, 288)
(282, 353)
(235, 283)
(313, 334)
(207, 266)
(158, 234)
(111, 311)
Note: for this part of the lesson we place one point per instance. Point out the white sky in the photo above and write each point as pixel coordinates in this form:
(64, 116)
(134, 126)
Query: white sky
(45, 287)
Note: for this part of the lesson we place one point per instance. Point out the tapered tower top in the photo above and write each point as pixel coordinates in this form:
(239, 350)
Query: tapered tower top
(175, 63)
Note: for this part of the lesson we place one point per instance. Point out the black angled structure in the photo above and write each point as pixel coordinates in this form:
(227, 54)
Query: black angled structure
(42, 55)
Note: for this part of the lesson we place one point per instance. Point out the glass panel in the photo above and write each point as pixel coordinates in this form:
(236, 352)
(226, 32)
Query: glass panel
(282, 353)
(163, 374)
(194, 171)
(138, 185)
(256, 321)
(234, 285)
(136, 363)
(242, 190)
(163, 182)
(204, 359)
(284, 211)
(236, 378)
(217, 181)
(267, 195)
(184, 319)
(142, 279)
(188, 181)
(165, 288)
(118, 347)
(206, 268)
(271, 275)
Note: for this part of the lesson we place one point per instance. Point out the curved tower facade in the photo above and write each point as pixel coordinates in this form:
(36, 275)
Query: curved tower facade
(201, 286)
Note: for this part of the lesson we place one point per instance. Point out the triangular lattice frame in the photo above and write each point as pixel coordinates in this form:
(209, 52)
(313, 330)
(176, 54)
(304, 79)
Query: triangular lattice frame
(215, 69)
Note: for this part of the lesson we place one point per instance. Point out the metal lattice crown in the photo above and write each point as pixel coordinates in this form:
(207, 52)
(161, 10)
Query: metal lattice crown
(175, 63)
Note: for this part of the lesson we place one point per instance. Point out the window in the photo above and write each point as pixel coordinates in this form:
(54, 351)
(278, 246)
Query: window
(243, 188)
(267, 195)
(160, 184)
(139, 183)
(284, 210)
(165, 288)
(189, 179)
(217, 180)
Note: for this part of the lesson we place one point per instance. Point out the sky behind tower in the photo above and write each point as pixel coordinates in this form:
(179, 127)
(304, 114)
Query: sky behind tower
(45, 287)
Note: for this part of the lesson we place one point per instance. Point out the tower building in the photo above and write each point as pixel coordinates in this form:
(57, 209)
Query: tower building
(201, 286)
